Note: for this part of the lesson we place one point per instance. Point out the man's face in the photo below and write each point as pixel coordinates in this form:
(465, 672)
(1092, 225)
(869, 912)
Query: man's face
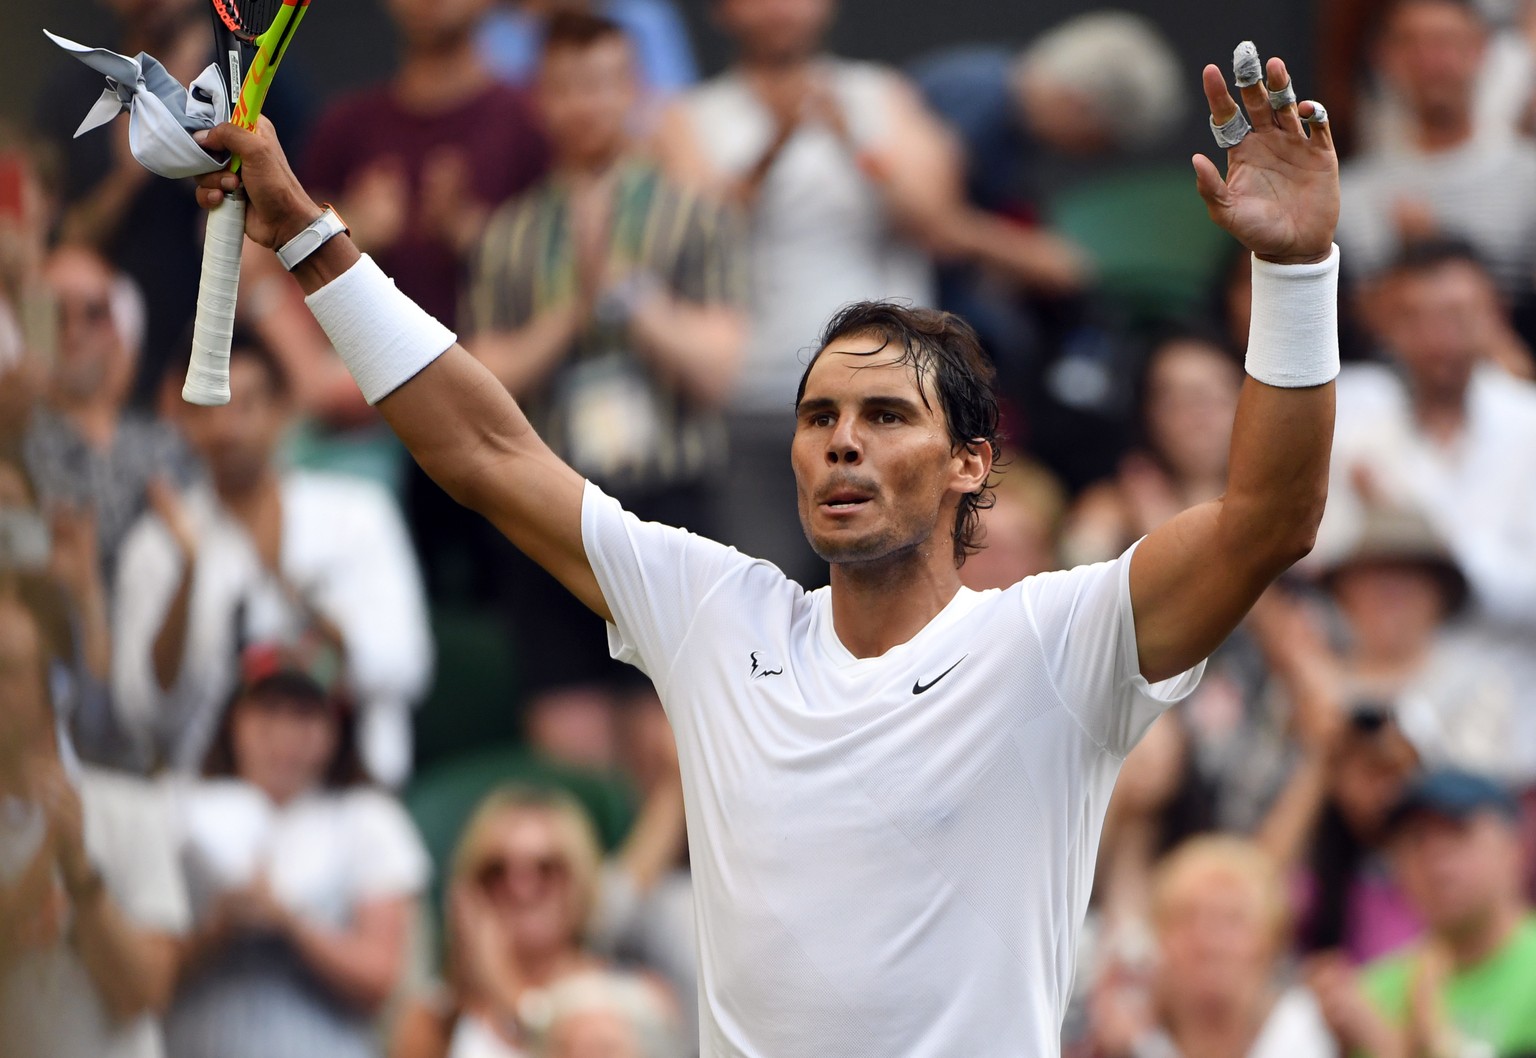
(435, 24)
(874, 467)
(1438, 323)
(776, 31)
(1431, 53)
(1458, 872)
(91, 354)
(237, 440)
(586, 95)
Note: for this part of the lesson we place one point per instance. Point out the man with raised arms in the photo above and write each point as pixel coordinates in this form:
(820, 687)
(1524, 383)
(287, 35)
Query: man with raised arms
(894, 785)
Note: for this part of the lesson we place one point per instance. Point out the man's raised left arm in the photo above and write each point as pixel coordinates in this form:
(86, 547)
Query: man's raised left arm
(1194, 578)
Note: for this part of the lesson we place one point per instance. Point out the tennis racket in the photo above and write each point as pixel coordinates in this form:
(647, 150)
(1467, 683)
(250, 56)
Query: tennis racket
(251, 36)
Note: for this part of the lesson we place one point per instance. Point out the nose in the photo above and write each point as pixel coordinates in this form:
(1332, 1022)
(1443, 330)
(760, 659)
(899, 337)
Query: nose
(844, 445)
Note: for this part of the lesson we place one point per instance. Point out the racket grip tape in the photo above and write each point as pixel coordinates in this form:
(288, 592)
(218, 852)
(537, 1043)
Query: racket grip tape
(208, 373)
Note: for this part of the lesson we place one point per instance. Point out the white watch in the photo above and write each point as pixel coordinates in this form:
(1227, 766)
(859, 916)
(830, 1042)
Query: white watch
(319, 231)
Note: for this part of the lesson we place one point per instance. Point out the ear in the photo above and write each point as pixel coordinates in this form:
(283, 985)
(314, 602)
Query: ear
(972, 465)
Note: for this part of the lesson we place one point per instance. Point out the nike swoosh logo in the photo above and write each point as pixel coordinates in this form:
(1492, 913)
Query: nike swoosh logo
(919, 687)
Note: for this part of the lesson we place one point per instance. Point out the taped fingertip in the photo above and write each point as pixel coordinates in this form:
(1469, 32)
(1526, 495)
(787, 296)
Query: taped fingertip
(1319, 115)
(1247, 68)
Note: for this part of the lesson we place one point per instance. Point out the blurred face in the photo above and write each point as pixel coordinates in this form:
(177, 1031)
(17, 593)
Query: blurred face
(873, 464)
(586, 95)
(91, 356)
(1019, 543)
(775, 31)
(1368, 777)
(1191, 401)
(1393, 608)
(237, 440)
(525, 872)
(24, 713)
(1431, 54)
(1438, 324)
(593, 1034)
(282, 747)
(1215, 937)
(435, 25)
(1459, 873)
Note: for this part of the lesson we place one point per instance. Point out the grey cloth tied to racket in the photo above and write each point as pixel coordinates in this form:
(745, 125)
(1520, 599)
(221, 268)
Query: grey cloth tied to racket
(162, 114)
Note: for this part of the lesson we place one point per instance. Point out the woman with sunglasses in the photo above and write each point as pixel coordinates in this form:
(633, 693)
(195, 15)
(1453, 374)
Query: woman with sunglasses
(528, 891)
(304, 879)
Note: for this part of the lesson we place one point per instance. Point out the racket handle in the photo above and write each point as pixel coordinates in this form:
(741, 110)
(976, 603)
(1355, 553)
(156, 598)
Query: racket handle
(208, 373)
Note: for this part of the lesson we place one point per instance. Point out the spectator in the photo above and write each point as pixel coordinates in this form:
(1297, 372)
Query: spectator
(57, 560)
(27, 321)
(91, 903)
(844, 173)
(608, 1015)
(1189, 399)
(1467, 987)
(1444, 180)
(416, 165)
(1436, 437)
(608, 301)
(85, 450)
(512, 36)
(528, 888)
(304, 879)
(259, 554)
(1219, 914)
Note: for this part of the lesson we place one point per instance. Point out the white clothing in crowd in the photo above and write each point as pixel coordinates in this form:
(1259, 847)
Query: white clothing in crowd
(49, 1006)
(344, 547)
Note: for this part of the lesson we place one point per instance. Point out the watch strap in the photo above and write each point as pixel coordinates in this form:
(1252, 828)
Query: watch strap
(315, 235)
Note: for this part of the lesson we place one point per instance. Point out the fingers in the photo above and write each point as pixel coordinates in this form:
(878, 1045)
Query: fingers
(1217, 97)
(1318, 127)
(1278, 88)
(1250, 80)
(1209, 183)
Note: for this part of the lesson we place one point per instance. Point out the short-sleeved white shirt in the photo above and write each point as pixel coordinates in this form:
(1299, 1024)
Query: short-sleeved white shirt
(892, 856)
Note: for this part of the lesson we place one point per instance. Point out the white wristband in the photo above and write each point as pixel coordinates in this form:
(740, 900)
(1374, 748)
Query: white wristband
(382, 336)
(1293, 335)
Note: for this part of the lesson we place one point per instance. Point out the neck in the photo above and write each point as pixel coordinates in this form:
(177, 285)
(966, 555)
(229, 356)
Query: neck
(94, 418)
(881, 604)
(1442, 414)
(1471, 947)
(440, 76)
(540, 969)
(247, 503)
(1391, 664)
(776, 68)
(1218, 1029)
(589, 166)
(1443, 133)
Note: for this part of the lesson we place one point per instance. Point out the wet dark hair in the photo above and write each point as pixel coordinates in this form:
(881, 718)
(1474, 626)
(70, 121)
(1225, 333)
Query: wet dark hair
(289, 691)
(578, 30)
(944, 347)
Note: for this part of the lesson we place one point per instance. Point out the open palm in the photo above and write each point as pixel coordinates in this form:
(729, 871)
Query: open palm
(1280, 197)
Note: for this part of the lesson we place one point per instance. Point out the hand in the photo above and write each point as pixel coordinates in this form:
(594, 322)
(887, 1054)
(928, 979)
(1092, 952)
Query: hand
(167, 504)
(278, 206)
(1349, 1014)
(255, 908)
(485, 965)
(1281, 195)
(376, 204)
(75, 561)
(66, 820)
(449, 206)
(1120, 1011)
(1149, 496)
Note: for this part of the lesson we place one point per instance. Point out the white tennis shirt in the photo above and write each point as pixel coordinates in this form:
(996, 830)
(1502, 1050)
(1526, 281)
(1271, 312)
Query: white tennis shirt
(892, 856)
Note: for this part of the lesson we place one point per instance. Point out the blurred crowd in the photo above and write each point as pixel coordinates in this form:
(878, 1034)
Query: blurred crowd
(299, 758)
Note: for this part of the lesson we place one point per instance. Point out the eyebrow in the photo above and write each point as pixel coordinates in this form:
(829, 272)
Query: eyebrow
(895, 403)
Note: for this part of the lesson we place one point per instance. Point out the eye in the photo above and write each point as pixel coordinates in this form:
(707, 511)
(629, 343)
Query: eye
(821, 418)
(887, 418)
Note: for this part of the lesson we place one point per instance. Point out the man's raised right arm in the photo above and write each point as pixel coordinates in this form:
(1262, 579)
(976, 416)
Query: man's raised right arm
(457, 420)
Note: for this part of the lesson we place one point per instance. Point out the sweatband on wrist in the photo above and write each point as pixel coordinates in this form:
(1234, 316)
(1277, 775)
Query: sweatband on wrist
(1293, 333)
(383, 337)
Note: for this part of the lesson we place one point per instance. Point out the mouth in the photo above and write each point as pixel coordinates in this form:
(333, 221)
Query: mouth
(845, 501)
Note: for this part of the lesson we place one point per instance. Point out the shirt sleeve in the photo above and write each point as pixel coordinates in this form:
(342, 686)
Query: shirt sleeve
(653, 577)
(391, 860)
(1087, 634)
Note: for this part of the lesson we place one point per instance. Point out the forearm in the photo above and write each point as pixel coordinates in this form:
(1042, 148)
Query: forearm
(133, 970)
(657, 837)
(362, 964)
(698, 347)
(523, 358)
(95, 631)
(169, 648)
(96, 218)
(1030, 257)
(1285, 831)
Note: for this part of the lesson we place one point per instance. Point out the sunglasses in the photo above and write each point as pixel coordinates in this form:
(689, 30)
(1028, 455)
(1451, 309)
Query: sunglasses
(495, 875)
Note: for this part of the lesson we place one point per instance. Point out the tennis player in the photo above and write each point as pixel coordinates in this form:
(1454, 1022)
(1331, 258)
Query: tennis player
(895, 785)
